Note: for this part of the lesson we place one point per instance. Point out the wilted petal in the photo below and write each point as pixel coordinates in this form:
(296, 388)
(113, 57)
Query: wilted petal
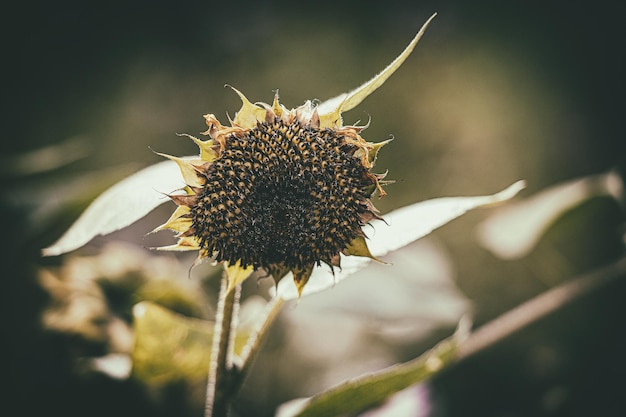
(188, 169)
(322, 277)
(237, 274)
(515, 230)
(249, 114)
(178, 221)
(402, 227)
(358, 247)
(121, 205)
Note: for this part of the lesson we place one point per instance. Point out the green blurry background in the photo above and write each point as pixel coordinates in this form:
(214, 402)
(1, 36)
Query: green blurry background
(494, 92)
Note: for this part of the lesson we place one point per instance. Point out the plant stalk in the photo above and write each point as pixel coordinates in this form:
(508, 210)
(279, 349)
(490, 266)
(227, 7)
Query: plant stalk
(220, 389)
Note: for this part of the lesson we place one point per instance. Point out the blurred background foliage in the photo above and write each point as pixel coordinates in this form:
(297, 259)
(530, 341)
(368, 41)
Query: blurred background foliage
(494, 92)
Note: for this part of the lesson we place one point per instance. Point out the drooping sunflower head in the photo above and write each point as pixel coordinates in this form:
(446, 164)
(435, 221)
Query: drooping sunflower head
(280, 190)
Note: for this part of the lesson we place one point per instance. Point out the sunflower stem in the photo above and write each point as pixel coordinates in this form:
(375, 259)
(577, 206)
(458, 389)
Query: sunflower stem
(220, 387)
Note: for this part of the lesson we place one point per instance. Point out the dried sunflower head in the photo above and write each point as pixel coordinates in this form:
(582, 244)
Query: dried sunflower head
(280, 190)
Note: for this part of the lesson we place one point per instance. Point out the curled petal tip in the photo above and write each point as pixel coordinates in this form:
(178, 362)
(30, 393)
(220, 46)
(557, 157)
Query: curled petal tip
(207, 153)
(178, 221)
(249, 114)
(184, 244)
(276, 107)
(509, 192)
(301, 277)
(187, 170)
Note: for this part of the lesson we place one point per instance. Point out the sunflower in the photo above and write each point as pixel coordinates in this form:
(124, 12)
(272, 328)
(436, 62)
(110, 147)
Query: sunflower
(279, 190)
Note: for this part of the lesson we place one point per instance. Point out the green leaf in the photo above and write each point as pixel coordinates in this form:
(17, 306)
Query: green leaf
(360, 393)
(169, 346)
(172, 347)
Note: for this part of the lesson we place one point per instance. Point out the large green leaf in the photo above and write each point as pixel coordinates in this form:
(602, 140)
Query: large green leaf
(360, 393)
